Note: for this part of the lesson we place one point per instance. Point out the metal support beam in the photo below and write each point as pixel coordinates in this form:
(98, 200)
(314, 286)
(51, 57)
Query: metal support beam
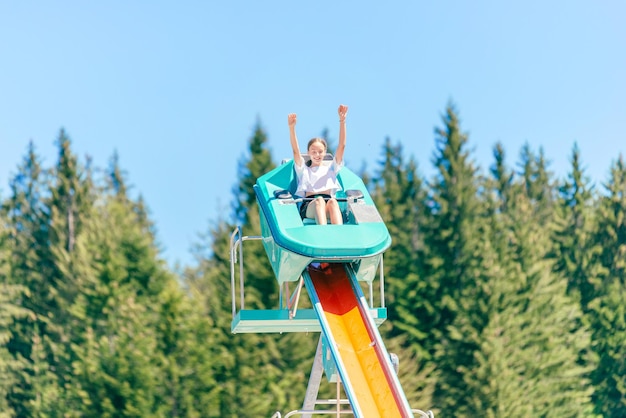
(315, 379)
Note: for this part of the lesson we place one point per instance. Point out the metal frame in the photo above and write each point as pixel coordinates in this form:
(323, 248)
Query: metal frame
(236, 256)
(310, 402)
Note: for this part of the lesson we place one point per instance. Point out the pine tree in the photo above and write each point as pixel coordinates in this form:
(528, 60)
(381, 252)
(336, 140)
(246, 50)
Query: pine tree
(575, 248)
(69, 273)
(263, 292)
(10, 366)
(257, 374)
(147, 358)
(528, 361)
(190, 389)
(502, 179)
(609, 342)
(114, 334)
(40, 384)
(250, 168)
(452, 265)
(607, 316)
(28, 220)
(399, 197)
(538, 182)
(612, 225)
(210, 281)
(116, 352)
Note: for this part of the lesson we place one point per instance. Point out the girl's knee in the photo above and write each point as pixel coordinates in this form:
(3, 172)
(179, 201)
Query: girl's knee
(320, 202)
(334, 212)
(333, 206)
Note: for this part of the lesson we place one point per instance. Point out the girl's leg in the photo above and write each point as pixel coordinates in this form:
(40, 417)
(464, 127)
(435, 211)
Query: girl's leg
(320, 210)
(334, 212)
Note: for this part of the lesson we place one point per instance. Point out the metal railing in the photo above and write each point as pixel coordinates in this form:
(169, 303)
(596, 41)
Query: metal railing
(419, 412)
(236, 257)
(236, 242)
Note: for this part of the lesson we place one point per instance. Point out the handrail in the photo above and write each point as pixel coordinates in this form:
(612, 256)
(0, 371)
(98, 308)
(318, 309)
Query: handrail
(233, 259)
(382, 283)
(236, 256)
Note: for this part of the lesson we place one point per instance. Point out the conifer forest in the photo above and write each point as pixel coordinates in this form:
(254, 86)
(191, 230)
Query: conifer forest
(505, 288)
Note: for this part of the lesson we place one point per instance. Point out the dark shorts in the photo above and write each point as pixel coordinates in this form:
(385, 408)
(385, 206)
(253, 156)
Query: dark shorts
(305, 204)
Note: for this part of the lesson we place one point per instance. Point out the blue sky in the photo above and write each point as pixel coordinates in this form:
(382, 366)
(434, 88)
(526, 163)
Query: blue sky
(176, 88)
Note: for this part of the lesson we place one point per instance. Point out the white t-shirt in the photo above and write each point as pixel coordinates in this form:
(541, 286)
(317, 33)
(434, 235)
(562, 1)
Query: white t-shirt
(317, 179)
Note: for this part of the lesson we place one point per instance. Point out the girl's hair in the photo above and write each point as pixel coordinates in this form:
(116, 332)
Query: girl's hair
(313, 141)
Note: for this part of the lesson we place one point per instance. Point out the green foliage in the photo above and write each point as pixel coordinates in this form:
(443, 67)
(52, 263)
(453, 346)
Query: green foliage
(607, 314)
(575, 248)
(529, 360)
(454, 262)
(251, 166)
(609, 328)
(256, 374)
(399, 195)
(10, 366)
(505, 293)
(113, 333)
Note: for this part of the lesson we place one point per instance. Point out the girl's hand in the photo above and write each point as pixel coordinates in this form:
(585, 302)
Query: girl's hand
(291, 119)
(342, 111)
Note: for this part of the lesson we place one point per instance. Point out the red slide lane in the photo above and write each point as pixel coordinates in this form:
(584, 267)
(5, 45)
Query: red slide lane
(361, 357)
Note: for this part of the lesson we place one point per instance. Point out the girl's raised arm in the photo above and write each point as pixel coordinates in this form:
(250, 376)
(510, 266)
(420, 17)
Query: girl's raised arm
(297, 158)
(342, 111)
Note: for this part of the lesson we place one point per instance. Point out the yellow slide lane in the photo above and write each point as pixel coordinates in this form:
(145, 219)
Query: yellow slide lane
(357, 349)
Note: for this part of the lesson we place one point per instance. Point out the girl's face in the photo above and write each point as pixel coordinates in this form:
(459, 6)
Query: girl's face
(317, 152)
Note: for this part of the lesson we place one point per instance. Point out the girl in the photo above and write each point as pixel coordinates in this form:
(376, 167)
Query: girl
(317, 180)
